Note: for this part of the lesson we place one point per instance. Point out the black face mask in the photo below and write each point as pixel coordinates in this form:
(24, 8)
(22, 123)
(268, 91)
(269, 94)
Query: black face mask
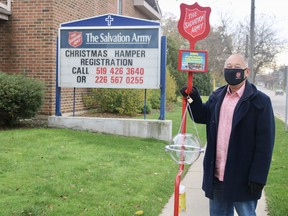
(234, 76)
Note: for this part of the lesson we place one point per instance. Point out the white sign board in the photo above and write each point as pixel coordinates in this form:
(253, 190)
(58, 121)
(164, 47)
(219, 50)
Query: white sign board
(92, 57)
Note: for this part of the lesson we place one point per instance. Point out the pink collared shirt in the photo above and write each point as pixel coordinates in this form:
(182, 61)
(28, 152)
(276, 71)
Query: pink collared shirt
(224, 129)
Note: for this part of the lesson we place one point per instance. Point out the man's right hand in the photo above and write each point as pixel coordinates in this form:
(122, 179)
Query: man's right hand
(183, 91)
(193, 95)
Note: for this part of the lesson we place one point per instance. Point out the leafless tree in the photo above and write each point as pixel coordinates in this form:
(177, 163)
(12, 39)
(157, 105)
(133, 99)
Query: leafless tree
(267, 43)
(169, 25)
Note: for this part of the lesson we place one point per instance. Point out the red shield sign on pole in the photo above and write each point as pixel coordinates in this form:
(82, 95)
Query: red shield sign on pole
(75, 39)
(194, 22)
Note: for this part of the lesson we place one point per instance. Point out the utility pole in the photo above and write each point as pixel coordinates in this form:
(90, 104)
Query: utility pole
(252, 40)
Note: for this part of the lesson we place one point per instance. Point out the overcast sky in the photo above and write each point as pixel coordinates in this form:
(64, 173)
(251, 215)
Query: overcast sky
(238, 10)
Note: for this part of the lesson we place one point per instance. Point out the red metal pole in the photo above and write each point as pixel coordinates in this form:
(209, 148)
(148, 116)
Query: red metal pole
(176, 190)
(181, 167)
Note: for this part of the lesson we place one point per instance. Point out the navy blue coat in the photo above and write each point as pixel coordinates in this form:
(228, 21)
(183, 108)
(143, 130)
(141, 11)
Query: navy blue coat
(250, 146)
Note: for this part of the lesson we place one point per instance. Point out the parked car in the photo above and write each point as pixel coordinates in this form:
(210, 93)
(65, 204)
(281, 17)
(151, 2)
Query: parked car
(279, 92)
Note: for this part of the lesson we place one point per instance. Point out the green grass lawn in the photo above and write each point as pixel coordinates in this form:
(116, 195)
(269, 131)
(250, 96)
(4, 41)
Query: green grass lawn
(47, 171)
(277, 186)
(65, 172)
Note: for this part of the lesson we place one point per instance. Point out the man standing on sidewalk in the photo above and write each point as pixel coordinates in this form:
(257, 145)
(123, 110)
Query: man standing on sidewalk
(240, 130)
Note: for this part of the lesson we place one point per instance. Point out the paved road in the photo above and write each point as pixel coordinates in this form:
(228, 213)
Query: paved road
(278, 102)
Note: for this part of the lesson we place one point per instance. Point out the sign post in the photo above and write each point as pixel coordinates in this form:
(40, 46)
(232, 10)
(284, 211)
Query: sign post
(193, 25)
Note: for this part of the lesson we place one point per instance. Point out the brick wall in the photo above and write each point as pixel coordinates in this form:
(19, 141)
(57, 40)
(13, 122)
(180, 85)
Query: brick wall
(28, 40)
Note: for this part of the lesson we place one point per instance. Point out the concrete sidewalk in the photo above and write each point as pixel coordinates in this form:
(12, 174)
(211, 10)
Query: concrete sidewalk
(196, 202)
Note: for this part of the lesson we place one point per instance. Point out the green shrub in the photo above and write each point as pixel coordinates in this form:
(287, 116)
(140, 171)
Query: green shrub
(154, 99)
(20, 97)
(119, 101)
(148, 108)
(203, 83)
(171, 88)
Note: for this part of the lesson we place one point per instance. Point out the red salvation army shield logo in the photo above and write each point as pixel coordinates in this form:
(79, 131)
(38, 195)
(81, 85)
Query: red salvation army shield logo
(75, 39)
(238, 75)
(194, 21)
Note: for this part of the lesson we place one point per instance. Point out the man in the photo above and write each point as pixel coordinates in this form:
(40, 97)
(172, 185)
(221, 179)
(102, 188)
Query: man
(240, 131)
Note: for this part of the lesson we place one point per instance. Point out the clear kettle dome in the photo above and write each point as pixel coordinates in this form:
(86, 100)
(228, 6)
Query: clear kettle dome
(184, 148)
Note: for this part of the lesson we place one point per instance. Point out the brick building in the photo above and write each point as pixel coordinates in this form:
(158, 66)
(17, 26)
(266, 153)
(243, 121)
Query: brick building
(28, 34)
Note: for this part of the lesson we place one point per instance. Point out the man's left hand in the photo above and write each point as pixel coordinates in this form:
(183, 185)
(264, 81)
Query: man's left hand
(255, 187)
